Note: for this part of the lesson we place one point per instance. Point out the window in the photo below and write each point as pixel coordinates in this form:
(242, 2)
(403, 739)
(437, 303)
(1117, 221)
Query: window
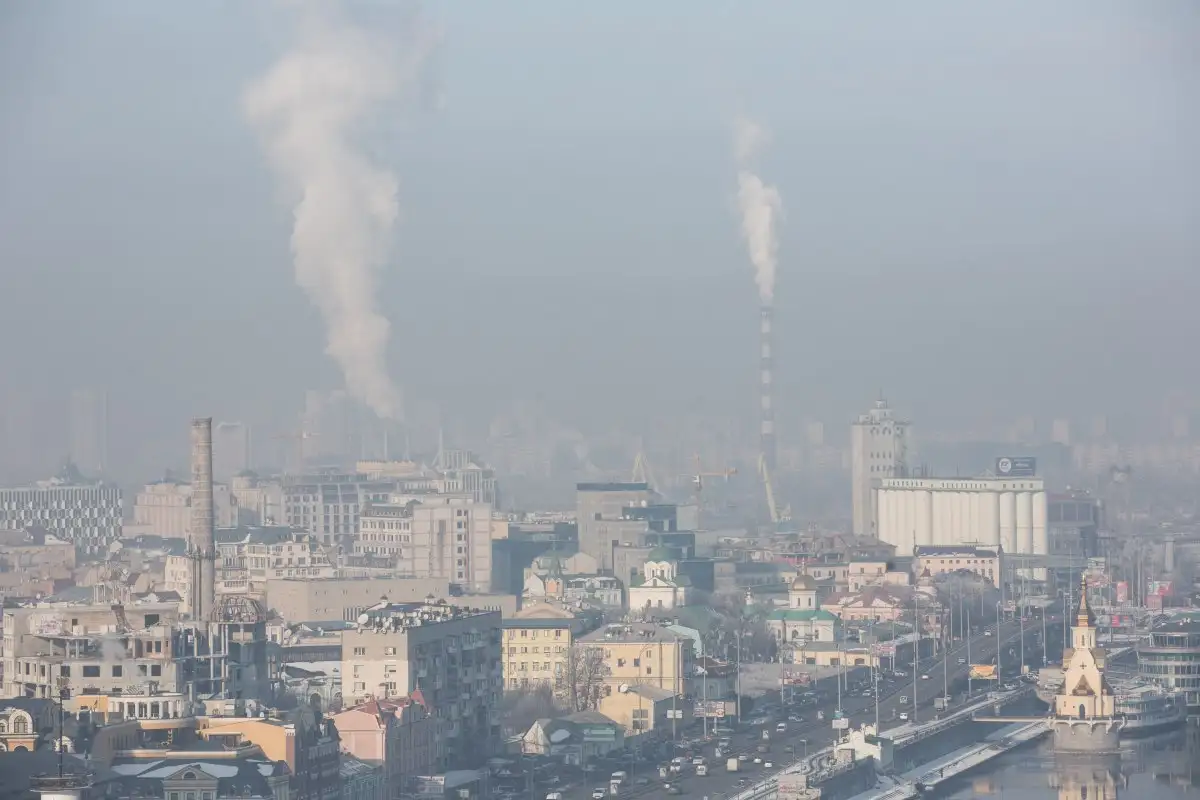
(389, 651)
(91, 670)
(360, 651)
(20, 725)
(117, 671)
(156, 670)
(65, 670)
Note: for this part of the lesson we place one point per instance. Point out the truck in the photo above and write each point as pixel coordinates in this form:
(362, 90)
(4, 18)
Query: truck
(731, 765)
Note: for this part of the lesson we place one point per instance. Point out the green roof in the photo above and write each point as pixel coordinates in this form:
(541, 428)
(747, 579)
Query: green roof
(797, 615)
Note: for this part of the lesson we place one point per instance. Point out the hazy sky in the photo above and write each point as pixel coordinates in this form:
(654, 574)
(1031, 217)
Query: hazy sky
(988, 206)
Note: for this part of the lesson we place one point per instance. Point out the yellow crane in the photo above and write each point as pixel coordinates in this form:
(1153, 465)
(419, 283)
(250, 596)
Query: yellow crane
(778, 517)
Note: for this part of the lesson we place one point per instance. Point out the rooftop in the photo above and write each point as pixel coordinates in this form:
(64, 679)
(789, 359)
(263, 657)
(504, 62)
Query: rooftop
(632, 632)
(971, 551)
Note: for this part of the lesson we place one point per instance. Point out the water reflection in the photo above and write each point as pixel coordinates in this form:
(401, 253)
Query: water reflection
(1154, 768)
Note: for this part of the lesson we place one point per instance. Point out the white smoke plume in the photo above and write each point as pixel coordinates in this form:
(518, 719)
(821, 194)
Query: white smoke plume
(760, 207)
(308, 109)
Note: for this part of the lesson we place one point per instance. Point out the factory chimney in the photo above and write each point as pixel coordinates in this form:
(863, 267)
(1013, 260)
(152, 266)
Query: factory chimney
(201, 550)
(767, 368)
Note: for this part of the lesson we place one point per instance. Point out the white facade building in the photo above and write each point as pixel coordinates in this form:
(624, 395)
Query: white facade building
(1009, 512)
(878, 450)
(88, 515)
(431, 536)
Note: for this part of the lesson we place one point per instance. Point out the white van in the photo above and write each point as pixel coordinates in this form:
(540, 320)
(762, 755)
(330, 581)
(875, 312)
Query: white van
(554, 796)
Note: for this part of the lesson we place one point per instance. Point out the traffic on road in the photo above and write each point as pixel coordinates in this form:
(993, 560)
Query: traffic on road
(773, 735)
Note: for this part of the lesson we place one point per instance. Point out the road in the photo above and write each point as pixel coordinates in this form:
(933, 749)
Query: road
(812, 735)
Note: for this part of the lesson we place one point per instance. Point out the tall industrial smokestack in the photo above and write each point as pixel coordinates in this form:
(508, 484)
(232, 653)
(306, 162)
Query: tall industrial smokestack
(767, 369)
(201, 549)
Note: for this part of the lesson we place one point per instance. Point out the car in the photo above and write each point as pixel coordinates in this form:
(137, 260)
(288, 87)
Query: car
(987, 633)
(757, 760)
(903, 698)
(768, 765)
(743, 758)
(738, 784)
(904, 716)
(795, 718)
(924, 677)
(599, 793)
(962, 661)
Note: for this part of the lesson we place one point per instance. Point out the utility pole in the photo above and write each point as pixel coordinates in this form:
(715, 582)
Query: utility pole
(739, 673)
(967, 625)
(1021, 611)
(916, 654)
(1045, 642)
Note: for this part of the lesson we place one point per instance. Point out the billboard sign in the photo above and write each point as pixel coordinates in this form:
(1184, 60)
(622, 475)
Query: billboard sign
(599, 734)
(1122, 591)
(1016, 466)
(983, 672)
(1160, 588)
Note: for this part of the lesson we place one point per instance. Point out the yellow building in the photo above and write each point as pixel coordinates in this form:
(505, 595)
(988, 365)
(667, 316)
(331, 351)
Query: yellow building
(639, 709)
(984, 562)
(537, 647)
(639, 654)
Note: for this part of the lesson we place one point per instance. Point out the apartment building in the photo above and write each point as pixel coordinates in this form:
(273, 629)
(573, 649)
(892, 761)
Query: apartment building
(644, 654)
(448, 653)
(137, 661)
(537, 647)
(400, 735)
(86, 514)
(329, 503)
(432, 536)
(164, 508)
(985, 562)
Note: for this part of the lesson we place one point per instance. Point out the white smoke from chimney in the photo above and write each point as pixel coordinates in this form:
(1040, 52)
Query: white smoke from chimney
(307, 110)
(759, 205)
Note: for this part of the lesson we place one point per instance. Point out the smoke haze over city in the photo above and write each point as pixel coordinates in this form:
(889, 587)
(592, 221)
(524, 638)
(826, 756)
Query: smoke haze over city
(990, 214)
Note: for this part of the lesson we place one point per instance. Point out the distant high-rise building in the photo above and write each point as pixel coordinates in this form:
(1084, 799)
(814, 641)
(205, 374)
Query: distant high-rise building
(1061, 432)
(88, 425)
(231, 450)
(76, 510)
(1100, 427)
(878, 449)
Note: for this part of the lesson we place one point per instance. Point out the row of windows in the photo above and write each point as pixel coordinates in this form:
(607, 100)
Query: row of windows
(512, 651)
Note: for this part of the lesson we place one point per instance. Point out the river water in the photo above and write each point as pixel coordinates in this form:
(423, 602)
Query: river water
(1162, 767)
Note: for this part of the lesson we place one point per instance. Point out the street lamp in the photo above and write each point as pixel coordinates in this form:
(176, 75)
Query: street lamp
(999, 671)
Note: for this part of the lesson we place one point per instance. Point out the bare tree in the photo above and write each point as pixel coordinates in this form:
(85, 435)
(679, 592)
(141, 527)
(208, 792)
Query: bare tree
(587, 675)
(523, 707)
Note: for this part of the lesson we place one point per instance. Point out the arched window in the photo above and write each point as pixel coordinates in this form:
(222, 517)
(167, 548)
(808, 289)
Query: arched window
(3, 727)
(189, 776)
(20, 724)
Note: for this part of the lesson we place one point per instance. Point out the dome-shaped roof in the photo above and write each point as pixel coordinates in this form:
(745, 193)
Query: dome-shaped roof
(237, 608)
(660, 554)
(803, 583)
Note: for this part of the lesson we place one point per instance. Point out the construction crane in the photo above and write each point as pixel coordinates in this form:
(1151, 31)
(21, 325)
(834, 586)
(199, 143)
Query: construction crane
(698, 477)
(777, 517)
(642, 472)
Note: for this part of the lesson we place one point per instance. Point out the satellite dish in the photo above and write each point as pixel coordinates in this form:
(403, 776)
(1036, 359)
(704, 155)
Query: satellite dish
(623, 688)
(560, 735)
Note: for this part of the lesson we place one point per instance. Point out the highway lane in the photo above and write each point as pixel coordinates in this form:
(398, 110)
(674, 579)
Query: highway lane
(812, 735)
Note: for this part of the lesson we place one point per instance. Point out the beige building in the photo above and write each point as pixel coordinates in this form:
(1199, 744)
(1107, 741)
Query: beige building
(164, 508)
(641, 709)
(861, 573)
(984, 562)
(537, 647)
(431, 536)
(643, 655)
(326, 599)
(96, 651)
(450, 654)
(36, 553)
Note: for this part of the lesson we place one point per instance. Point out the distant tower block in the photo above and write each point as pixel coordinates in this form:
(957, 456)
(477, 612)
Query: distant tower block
(878, 450)
(767, 370)
(201, 549)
